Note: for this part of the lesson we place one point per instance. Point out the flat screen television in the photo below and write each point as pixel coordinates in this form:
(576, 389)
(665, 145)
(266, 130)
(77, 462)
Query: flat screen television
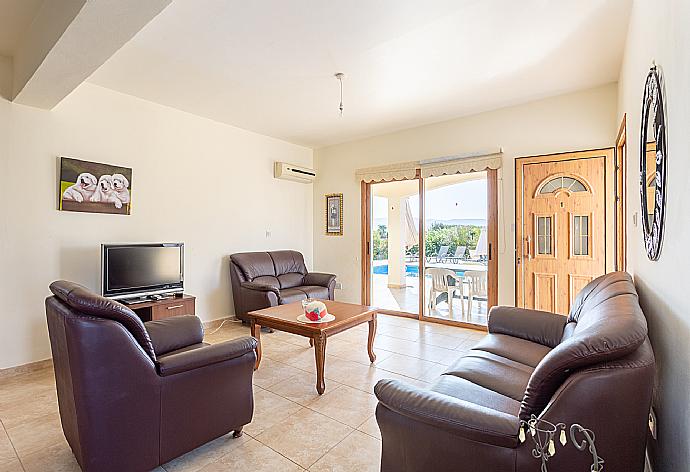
(137, 270)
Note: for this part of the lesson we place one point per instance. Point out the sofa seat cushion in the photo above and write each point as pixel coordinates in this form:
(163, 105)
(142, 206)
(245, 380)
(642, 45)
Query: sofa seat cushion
(314, 291)
(290, 295)
(290, 280)
(497, 373)
(463, 389)
(517, 349)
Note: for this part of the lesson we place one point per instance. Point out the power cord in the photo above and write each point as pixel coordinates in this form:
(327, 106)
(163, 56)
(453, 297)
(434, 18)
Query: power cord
(231, 320)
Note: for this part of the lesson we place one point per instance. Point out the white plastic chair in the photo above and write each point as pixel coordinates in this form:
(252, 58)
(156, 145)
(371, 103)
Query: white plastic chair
(439, 284)
(478, 286)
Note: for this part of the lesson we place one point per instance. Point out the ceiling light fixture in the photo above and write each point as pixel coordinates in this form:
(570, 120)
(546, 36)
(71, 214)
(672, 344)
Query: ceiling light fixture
(340, 76)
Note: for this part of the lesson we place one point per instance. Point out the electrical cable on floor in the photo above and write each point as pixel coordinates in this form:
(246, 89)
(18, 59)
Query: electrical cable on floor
(232, 320)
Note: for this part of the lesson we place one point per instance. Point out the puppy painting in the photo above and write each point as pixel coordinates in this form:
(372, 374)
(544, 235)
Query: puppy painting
(92, 187)
(83, 189)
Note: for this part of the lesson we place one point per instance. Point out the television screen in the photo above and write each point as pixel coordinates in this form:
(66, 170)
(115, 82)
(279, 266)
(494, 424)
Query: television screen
(136, 269)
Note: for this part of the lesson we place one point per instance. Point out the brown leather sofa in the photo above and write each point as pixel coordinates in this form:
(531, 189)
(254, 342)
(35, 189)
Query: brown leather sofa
(594, 367)
(133, 396)
(264, 279)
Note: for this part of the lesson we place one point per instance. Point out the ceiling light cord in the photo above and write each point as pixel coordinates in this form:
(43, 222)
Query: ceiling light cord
(340, 77)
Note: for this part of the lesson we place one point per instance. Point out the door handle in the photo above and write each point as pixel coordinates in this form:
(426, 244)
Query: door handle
(529, 247)
(174, 306)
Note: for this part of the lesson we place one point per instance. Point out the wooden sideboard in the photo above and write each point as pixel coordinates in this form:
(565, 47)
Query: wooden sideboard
(172, 306)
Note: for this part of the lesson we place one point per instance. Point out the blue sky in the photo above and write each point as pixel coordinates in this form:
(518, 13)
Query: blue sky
(466, 200)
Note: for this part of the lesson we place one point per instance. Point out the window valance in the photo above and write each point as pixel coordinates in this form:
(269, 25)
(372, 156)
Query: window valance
(397, 171)
(431, 167)
(461, 165)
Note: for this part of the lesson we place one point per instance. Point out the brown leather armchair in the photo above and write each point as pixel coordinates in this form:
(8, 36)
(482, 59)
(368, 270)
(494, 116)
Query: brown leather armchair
(133, 396)
(264, 279)
(594, 367)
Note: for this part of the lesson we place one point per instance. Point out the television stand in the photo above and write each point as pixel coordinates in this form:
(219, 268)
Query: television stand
(149, 310)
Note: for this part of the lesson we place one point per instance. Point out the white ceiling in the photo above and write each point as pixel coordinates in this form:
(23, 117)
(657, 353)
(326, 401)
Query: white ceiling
(268, 65)
(15, 18)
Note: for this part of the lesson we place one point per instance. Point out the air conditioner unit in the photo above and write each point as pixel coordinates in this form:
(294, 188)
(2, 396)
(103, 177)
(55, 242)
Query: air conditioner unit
(285, 171)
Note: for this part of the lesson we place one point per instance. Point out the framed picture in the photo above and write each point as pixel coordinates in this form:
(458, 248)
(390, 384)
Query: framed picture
(334, 214)
(93, 187)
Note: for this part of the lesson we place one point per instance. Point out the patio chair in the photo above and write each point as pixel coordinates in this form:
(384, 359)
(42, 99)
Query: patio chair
(478, 286)
(442, 253)
(459, 254)
(440, 284)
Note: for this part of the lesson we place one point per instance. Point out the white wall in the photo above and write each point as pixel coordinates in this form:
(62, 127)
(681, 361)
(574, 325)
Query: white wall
(194, 180)
(660, 31)
(577, 121)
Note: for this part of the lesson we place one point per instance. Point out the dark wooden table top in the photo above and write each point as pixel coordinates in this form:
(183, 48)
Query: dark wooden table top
(285, 316)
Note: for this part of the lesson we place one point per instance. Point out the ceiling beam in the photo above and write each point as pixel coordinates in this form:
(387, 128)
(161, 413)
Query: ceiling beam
(68, 40)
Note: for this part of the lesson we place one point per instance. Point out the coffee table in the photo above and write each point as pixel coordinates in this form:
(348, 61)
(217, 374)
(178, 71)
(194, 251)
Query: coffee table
(284, 318)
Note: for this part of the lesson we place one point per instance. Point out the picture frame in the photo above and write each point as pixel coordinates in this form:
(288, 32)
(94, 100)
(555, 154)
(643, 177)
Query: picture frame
(93, 187)
(334, 214)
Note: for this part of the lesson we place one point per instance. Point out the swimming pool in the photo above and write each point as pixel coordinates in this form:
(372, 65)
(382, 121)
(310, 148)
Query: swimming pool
(410, 270)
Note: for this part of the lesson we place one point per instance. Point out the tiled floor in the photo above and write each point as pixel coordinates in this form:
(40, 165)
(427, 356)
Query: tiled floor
(294, 429)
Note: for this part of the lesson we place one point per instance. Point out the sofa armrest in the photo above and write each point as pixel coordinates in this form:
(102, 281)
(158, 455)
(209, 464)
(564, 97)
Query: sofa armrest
(260, 287)
(468, 420)
(537, 326)
(174, 333)
(203, 356)
(320, 279)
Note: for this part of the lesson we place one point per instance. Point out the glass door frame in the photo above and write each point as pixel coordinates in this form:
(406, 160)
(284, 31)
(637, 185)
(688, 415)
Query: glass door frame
(367, 256)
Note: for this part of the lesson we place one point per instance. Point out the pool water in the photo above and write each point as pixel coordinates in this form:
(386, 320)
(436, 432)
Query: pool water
(410, 270)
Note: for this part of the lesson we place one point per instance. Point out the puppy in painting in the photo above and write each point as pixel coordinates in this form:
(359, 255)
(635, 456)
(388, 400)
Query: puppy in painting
(120, 187)
(104, 193)
(83, 189)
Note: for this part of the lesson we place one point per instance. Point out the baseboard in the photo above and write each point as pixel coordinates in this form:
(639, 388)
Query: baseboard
(26, 368)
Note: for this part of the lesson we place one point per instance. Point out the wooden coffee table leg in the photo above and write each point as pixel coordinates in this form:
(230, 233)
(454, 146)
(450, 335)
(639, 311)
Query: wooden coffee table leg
(311, 342)
(320, 354)
(256, 332)
(372, 335)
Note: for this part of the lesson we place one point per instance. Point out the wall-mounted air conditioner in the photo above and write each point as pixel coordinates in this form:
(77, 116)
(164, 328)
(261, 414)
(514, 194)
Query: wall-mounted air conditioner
(285, 171)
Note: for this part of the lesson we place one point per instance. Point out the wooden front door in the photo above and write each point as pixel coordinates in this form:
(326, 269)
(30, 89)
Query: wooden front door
(565, 226)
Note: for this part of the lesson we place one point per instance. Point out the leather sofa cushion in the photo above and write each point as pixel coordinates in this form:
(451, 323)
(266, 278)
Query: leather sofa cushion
(191, 347)
(290, 280)
(496, 373)
(267, 280)
(517, 349)
(314, 291)
(175, 332)
(290, 295)
(286, 262)
(254, 264)
(463, 389)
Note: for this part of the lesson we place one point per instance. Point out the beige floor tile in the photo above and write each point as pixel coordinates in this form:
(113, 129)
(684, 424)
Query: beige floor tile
(440, 340)
(271, 372)
(408, 366)
(11, 466)
(431, 375)
(395, 345)
(358, 452)
(7, 453)
(304, 437)
(56, 458)
(206, 454)
(370, 427)
(36, 434)
(301, 388)
(357, 353)
(33, 406)
(269, 409)
(437, 354)
(281, 351)
(347, 405)
(399, 332)
(254, 456)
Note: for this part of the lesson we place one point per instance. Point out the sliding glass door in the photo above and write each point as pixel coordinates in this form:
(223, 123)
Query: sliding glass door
(451, 277)
(456, 224)
(395, 246)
